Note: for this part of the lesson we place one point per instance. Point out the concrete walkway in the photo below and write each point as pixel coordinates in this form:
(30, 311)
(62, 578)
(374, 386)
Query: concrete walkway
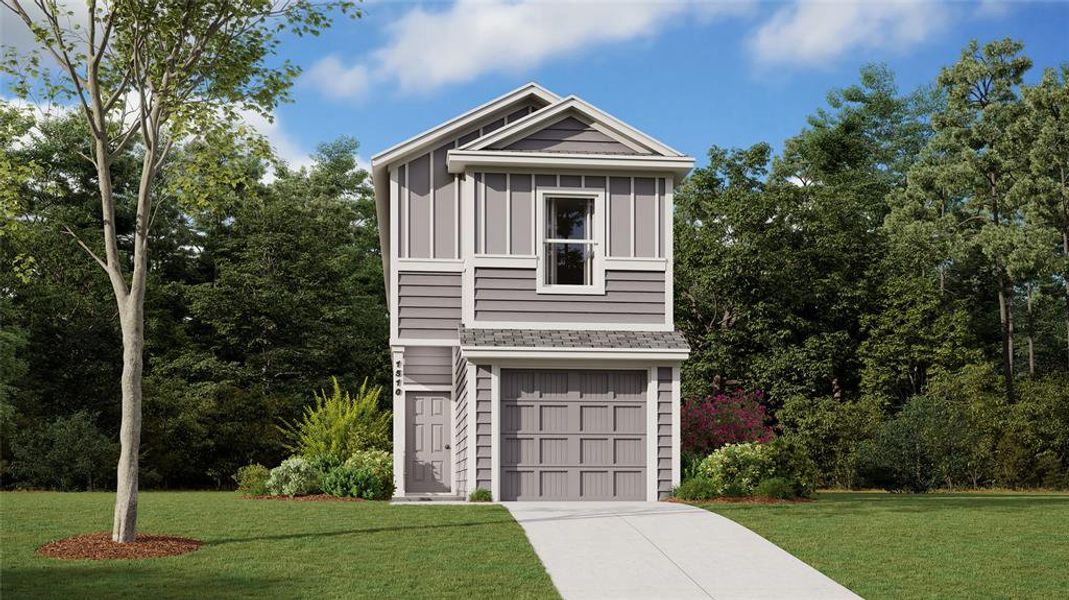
(662, 550)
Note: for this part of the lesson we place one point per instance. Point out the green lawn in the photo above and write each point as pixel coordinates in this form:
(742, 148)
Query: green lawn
(273, 549)
(983, 545)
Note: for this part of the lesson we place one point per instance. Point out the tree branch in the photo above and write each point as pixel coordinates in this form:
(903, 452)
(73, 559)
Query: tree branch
(88, 250)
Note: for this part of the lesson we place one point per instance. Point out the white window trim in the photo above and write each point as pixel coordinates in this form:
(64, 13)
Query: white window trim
(598, 227)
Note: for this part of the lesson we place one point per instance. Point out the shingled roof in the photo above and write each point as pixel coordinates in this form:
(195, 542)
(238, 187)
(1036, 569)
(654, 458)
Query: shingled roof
(583, 338)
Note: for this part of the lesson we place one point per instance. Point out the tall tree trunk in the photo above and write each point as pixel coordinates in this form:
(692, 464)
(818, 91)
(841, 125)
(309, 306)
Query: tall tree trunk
(1065, 279)
(132, 318)
(1031, 330)
(1005, 315)
(124, 527)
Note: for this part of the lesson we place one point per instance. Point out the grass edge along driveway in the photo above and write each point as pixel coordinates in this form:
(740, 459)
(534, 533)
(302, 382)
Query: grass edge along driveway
(270, 548)
(968, 545)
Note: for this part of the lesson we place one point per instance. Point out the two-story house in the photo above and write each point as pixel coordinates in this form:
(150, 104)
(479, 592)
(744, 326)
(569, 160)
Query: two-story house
(527, 247)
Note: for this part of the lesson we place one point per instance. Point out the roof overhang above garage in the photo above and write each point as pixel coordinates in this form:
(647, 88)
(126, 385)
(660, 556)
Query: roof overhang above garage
(554, 344)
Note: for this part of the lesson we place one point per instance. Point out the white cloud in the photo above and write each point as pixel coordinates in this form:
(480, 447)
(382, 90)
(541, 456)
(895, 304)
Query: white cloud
(15, 34)
(336, 80)
(286, 147)
(428, 49)
(812, 33)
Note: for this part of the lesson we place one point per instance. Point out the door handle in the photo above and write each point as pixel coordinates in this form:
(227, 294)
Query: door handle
(447, 446)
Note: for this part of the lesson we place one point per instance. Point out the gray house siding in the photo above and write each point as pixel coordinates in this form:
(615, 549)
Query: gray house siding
(509, 295)
(483, 461)
(570, 135)
(429, 365)
(636, 211)
(428, 305)
(427, 192)
(460, 420)
(664, 432)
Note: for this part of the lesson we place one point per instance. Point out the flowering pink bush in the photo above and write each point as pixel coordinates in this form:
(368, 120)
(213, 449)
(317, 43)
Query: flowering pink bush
(710, 422)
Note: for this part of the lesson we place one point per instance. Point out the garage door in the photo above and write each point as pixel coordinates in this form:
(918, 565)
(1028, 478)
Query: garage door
(573, 435)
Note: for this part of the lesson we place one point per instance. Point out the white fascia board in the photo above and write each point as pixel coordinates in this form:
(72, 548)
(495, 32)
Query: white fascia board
(459, 160)
(450, 127)
(546, 116)
(480, 352)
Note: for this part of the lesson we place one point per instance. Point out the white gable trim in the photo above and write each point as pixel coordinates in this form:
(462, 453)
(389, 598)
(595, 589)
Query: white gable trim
(451, 127)
(551, 114)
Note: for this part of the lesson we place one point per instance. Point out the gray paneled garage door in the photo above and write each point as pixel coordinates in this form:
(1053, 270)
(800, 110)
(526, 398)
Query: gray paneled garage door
(573, 435)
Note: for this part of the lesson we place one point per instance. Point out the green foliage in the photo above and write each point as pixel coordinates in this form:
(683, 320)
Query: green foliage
(252, 480)
(696, 489)
(480, 495)
(339, 425)
(776, 488)
(366, 474)
(294, 477)
(736, 469)
(830, 431)
(66, 453)
(379, 462)
(792, 463)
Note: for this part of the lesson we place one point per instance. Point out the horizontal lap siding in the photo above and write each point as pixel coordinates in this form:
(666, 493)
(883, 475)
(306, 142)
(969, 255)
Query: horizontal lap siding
(460, 376)
(483, 462)
(429, 365)
(664, 432)
(572, 136)
(428, 305)
(509, 295)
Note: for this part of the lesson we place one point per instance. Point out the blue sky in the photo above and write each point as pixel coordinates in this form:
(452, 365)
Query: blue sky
(691, 73)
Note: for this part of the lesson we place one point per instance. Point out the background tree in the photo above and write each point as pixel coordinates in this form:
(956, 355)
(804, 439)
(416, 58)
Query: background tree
(156, 73)
(983, 101)
(1041, 141)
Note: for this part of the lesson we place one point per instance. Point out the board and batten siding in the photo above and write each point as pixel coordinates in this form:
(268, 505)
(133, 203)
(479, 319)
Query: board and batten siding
(505, 212)
(427, 193)
(509, 295)
(664, 432)
(460, 420)
(483, 449)
(429, 365)
(428, 305)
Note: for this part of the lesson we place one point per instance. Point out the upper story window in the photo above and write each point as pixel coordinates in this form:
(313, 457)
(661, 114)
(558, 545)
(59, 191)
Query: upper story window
(571, 238)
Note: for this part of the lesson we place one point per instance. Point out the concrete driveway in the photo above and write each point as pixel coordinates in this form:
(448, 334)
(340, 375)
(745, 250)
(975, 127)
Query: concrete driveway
(662, 550)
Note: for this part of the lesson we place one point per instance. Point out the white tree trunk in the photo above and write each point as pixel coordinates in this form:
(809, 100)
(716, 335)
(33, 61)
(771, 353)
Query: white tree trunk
(124, 528)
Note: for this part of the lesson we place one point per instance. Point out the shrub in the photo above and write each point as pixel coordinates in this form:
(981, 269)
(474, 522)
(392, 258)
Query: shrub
(480, 495)
(831, 430)
(736, 469)
(252, 480)
(777, 488)
(379, 462)
(67, 453)
(339, 425)
(294, 477)
(367, 474)
(713, 421)
(357, 482)
(792, 463)
(930, 443)
(696, 489)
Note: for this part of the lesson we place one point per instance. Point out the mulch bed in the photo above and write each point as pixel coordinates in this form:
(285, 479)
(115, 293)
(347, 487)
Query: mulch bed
(312, 498)
(741, 500)
(98, 546)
